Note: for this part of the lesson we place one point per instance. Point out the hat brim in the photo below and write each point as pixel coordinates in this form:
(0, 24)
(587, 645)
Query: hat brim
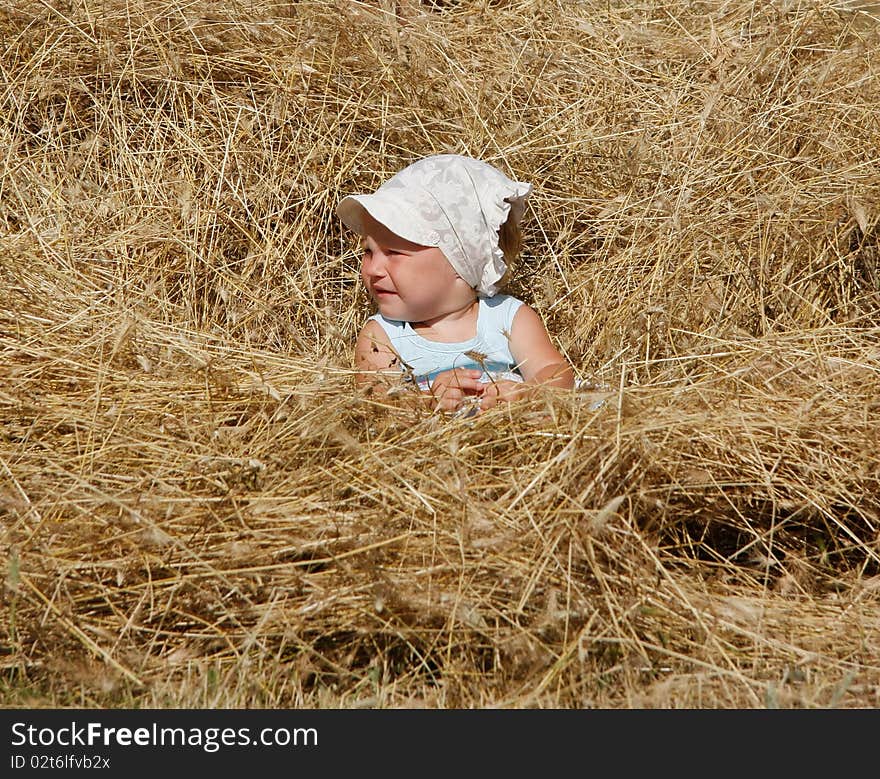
(388, 211)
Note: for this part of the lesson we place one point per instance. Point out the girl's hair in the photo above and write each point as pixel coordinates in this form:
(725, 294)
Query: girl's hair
(510, 242)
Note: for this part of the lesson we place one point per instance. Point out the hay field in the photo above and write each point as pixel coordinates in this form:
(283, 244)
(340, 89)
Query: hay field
(199, 509)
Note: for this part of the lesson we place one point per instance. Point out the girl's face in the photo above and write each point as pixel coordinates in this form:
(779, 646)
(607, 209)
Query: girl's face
(408, 281)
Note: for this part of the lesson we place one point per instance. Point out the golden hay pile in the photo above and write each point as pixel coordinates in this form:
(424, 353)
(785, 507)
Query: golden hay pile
(198, 509)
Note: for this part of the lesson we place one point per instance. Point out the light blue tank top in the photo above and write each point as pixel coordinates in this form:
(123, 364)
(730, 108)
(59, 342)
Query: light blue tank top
(488, 350)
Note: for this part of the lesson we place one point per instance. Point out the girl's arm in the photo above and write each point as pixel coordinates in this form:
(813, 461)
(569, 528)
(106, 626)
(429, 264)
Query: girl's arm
(537, 359)
(539, 362)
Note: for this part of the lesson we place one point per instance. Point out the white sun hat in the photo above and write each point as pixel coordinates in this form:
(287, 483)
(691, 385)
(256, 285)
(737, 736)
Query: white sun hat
(450, 201)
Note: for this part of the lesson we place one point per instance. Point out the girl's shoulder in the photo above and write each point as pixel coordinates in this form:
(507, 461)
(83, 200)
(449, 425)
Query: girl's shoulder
(373, 332)
(391, 329)
(373, 350)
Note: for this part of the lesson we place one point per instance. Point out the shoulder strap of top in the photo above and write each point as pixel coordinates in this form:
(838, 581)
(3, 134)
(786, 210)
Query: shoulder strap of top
(392, 328)
(499, 311)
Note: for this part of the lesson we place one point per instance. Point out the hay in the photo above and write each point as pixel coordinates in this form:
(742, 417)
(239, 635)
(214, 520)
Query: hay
(197, 507)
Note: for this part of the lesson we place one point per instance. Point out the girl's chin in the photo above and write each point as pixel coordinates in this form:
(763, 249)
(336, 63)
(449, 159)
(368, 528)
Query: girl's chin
(391, 309)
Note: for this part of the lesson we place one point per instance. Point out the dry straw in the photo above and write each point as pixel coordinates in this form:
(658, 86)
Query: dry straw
(198, 509)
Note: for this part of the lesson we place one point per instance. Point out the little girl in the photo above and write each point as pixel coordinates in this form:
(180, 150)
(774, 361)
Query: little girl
(437, 238)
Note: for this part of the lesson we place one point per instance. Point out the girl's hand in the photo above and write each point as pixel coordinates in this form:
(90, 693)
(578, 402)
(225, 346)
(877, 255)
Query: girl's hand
(451, 387)
(503, 391)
